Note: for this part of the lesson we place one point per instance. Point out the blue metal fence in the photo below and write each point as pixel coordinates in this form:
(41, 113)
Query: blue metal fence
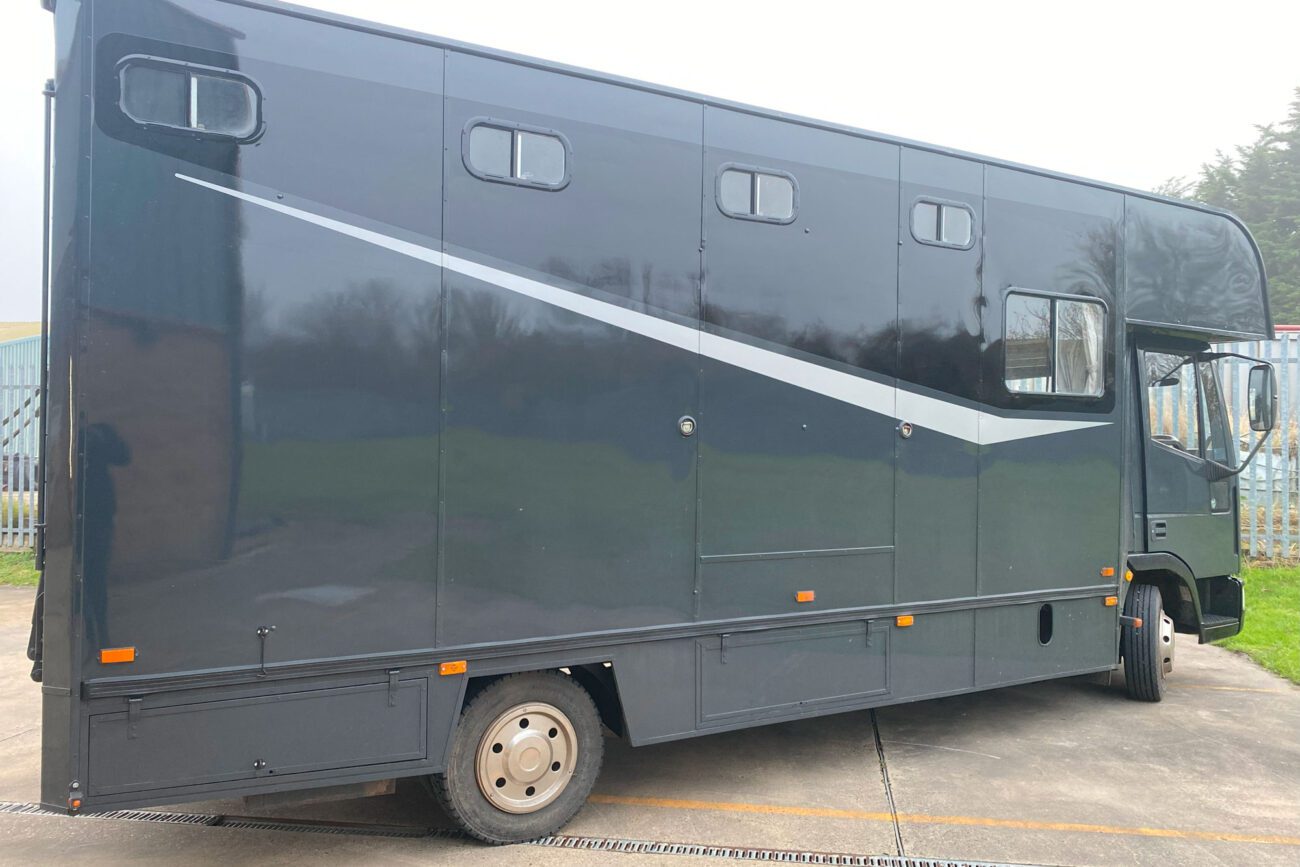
(20, 379)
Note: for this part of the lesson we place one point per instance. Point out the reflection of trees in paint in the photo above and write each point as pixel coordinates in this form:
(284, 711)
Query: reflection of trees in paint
(359, 362)
(1193, 268)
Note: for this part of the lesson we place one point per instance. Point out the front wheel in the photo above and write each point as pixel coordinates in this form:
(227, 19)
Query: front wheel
(1148, 649)
(524, 757)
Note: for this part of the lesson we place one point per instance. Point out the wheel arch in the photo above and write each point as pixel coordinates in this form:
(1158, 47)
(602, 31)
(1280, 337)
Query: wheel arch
(597, 678)
(1178, 591)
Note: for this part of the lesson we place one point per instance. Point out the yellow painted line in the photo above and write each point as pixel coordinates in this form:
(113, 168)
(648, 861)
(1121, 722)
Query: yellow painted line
(924, 819)
(731, 807)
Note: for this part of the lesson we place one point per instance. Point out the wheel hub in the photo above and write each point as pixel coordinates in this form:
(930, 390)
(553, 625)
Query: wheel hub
(526, 758)
(1166, 643)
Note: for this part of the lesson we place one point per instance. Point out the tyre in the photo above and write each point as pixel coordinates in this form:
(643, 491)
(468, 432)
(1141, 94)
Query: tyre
(1148, 649)
(525, 754)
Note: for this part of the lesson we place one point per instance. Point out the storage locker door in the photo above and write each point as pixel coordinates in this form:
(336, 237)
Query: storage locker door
(941, 215)
(796, 396)
(572, 288)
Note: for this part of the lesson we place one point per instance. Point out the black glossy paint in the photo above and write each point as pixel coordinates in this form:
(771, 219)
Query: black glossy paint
(271, 423)
(783, 470)
(941, 308)
(1193, 271)
(1052, 237)
(261, 416)
(569, 495)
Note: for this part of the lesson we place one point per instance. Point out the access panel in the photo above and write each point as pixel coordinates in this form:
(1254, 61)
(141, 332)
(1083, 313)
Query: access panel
(776, 673)
(143, 749)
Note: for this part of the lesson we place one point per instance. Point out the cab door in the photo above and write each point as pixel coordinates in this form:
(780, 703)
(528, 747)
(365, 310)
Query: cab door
(1189, 513)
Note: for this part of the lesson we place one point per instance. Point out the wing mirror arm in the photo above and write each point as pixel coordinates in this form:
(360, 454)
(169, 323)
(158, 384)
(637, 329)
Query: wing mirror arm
(1216, 471)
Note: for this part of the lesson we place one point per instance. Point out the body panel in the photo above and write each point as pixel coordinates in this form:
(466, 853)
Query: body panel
(796, 488)
(941, 332)
(563, 455)
(237, 369)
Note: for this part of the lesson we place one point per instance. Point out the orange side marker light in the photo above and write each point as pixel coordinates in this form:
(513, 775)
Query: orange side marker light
(457, 667)
(1137, 622)
(1128, 574)
(904, 620)
(805, 595)
(1108, 572)
(1111, 601)
(110, 655)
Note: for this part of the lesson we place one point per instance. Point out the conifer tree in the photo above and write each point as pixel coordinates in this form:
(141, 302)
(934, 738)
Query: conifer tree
(1260, 183)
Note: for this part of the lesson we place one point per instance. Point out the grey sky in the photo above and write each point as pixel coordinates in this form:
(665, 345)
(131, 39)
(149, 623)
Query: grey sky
(1130, 92)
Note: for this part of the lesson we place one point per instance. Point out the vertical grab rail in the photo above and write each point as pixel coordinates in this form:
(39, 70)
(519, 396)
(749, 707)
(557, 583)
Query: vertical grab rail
(42, 411)
(36, 643)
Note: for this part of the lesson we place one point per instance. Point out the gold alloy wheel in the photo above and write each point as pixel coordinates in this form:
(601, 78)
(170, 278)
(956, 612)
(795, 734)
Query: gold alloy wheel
(526, 758)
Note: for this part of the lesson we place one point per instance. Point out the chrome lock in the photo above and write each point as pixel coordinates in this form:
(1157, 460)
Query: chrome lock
(686, 425)
(905, 429)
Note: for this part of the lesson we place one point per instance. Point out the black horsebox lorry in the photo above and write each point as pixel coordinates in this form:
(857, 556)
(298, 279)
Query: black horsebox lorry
(419, 410)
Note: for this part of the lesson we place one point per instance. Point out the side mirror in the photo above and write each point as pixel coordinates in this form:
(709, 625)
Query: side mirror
(1261, 397)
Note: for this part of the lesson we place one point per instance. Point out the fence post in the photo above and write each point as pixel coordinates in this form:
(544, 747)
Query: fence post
(1287, 405)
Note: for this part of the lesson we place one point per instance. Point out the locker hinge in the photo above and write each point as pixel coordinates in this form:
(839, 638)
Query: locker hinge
(723, 642)
(133, 716)
(392, 686)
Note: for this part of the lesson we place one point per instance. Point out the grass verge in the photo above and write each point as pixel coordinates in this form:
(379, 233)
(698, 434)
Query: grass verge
(1271, 634)
(16, 570)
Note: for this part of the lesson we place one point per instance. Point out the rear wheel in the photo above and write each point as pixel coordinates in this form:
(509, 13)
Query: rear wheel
(1148, 649)
(524, 757)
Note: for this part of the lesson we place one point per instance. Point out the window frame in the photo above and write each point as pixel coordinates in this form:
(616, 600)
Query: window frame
(514, 127)
(189, 70)
(754, 172)
(1055, 297)
(941, 204)
(1208, 415)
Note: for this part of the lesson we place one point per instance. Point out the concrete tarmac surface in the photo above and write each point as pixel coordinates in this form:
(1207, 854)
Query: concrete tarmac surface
(1061, 772)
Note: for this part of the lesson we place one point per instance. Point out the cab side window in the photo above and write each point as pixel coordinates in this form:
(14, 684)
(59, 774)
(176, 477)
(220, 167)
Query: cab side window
(1173, 410)
(1184, 407)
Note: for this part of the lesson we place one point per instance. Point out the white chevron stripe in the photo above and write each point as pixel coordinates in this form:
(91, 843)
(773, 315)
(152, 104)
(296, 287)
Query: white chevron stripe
(955, 420)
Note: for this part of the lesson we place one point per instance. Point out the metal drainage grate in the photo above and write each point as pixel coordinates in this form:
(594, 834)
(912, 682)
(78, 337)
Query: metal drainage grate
(735, 853)
(246, 823)
(591, 844)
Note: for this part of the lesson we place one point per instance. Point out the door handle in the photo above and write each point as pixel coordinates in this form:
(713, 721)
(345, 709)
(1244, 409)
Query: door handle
(1159, 529)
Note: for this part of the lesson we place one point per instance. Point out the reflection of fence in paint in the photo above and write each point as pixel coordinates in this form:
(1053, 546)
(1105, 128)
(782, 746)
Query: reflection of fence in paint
(1270, 486)
(20, 378)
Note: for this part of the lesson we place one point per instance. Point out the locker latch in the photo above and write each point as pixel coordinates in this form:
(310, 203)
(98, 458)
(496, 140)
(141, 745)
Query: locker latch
(133, 716)
(392, 686)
